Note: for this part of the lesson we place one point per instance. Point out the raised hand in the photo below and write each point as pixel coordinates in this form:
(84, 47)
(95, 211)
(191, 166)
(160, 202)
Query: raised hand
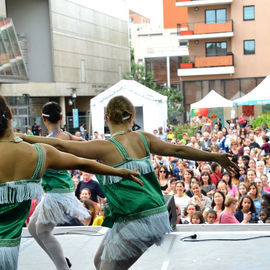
(131, 175)
(225, 161)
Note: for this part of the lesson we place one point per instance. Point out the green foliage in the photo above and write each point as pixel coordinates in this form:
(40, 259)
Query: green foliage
(138, 73)
(175, 99)
(191, 130)
(260, 120)
(185, 59)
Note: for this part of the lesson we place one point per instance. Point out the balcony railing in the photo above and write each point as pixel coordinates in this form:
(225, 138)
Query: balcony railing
(193, 3)
(209, 61)
(204, 28)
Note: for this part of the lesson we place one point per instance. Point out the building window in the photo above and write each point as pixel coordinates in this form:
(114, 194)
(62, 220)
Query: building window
(249, 13)
(215, 15)
(249, 46)
(216, 48)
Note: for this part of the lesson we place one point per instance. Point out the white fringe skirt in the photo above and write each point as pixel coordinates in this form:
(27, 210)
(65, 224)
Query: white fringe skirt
(130, 239)
(9, 258)
(57, 208)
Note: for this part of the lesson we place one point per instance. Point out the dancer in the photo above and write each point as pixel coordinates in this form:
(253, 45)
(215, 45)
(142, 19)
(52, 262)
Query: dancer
(20, 173)
(137, 215)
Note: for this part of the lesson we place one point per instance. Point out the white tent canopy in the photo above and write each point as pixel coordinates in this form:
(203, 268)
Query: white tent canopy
(151, 107)
(260, 95)
(212, 100)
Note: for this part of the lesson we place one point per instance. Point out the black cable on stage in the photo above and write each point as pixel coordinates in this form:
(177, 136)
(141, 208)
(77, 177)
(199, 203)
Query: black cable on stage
(194, 238)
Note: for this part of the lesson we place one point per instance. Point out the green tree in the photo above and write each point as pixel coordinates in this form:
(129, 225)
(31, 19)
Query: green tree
(138, 73)
(175, 108)
(260, 120)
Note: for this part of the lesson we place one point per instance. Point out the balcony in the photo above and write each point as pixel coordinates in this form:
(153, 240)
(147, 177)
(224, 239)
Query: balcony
(211, 65)
(191, 31)
(12, 66)
(197, 3)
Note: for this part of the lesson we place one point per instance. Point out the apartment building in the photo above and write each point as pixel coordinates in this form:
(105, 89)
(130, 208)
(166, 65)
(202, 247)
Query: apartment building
(73, 50)
(157, 46)
(228, 47)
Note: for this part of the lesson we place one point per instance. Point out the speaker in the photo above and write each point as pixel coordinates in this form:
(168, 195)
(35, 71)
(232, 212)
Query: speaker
(169, 200)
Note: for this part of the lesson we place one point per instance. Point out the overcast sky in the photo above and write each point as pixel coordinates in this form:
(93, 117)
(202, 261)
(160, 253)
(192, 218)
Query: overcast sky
(148, 8)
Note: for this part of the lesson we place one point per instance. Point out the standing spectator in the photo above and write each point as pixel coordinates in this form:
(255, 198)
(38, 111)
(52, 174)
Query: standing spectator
(266, 145)
(242, 190)
(92, 185)
(29, 132)
(96, 137)
(36, 129)
(218, 203)
(162, 135)
(232, 189)
(221, 141)
(163, 178)
(207, 185)
(253, 143)
(206, 142)
(219, 124)
(82, 130)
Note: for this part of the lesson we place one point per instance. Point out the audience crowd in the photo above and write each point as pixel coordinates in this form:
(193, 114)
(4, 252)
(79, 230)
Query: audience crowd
(204, 193)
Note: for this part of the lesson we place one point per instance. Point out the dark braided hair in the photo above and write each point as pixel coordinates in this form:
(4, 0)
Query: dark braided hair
(5, 115)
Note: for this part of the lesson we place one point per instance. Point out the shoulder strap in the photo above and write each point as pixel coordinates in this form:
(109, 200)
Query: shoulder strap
(40, 167)
(145, 143)
(67, 135)
(120, 147)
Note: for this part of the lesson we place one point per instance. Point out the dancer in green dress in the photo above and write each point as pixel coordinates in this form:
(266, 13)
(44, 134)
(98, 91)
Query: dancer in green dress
(137, 215)
(21, 167)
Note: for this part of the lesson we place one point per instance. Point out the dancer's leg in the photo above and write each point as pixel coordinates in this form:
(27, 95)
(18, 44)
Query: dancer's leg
(117, 264)
(32, 228)
(44, 233)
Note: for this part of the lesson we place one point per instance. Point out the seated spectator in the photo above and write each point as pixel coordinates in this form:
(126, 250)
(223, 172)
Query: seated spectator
(163, 178)
(227, 216)
(216, 175)
(197, 218)
(189, 210)
(265, 183)
(218, 203)
(100, 218)
(242, 190)
(232, 189)
(252, 164)
(180, 198)
(254, 193)
(250, 177)
(211, 217)
(188, 174)
(90, 205)
(265, 203)
(242, 173)
(246, 207)
(222, 186)
(260, 168)
(264, 215)
(172, 185)
(198, 198)
(207, 185)
(85, 194)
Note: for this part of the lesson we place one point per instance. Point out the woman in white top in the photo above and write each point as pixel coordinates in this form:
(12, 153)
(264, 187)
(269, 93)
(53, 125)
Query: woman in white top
(180, 198)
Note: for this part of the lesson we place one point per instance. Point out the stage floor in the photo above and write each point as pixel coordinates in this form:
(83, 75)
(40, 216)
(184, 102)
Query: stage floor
(244, 247)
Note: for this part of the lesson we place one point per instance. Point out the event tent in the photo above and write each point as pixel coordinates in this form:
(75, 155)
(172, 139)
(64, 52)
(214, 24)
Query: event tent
(151, 107)
(212, 100)
(260, 95)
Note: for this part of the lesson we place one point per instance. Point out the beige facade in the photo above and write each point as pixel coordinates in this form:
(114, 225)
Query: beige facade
(233, 73)
(82, 47)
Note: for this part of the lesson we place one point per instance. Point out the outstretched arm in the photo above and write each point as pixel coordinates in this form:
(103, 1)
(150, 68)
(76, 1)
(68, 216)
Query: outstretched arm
(162, 148)
(59, 160)
(86, 149)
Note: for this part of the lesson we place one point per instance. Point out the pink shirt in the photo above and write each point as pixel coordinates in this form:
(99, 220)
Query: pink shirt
(233, 191)
(226, 218)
